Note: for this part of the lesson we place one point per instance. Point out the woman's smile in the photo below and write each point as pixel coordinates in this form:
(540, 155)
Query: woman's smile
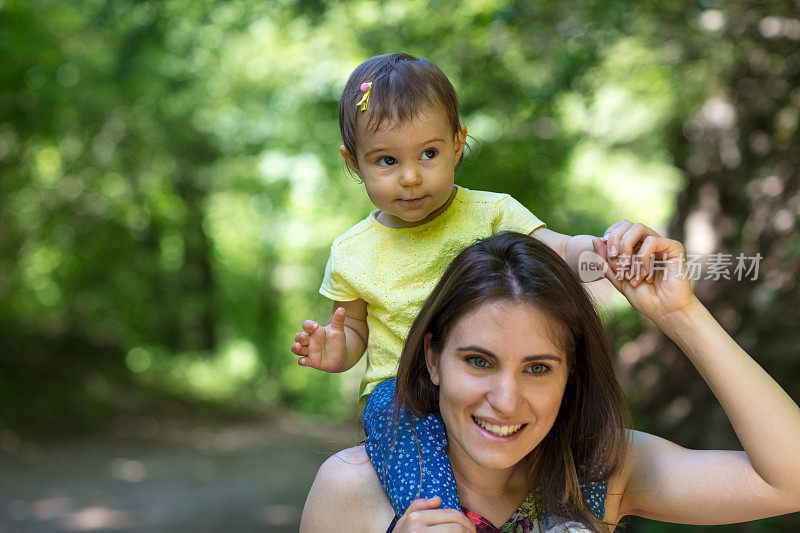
(505, 431)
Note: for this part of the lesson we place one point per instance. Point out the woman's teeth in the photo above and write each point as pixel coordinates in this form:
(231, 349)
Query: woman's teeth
(494, 429)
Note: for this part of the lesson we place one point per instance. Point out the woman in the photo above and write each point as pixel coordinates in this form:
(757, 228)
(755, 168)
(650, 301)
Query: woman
(509, 351)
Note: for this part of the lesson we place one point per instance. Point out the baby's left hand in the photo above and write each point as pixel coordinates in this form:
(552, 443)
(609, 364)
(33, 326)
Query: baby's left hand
(622, 242)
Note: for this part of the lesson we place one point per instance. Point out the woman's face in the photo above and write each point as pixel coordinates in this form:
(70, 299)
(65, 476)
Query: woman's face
(501, 377)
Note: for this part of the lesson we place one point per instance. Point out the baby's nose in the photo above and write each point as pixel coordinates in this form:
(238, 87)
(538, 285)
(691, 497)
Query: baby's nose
(410, 176)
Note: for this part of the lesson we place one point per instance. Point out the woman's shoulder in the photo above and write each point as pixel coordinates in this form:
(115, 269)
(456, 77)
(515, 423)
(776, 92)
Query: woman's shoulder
(351, 467)
(347, 493)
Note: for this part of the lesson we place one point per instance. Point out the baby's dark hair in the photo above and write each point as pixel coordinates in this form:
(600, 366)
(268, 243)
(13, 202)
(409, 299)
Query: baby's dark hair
(402, 86)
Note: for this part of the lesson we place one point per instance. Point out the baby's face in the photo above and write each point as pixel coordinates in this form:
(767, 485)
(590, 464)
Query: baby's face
(408, 168)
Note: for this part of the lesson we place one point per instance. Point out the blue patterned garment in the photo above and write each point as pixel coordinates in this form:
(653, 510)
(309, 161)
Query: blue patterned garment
(407, 470)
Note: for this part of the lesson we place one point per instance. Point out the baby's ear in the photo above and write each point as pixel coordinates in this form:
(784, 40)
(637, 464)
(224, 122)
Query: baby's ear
(460, 140)
(349, 159)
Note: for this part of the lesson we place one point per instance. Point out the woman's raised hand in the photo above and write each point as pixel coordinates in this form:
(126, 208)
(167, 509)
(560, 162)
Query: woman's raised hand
(667, 288)
(424, 515)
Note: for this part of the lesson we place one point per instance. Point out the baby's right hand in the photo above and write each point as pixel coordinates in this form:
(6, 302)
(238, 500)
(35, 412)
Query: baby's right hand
(323, 348)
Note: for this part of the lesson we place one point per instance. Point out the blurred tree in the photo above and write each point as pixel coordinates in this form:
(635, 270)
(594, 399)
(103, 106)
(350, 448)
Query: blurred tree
(738, 145)
(739, 151)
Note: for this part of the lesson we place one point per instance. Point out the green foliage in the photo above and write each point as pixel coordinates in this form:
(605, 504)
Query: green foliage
(172, 183)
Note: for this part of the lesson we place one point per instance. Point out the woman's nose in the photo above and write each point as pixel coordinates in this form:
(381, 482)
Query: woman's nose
(409, 176)
(506, 395)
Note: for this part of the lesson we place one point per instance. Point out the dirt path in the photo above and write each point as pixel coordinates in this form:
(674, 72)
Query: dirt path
(152, 475)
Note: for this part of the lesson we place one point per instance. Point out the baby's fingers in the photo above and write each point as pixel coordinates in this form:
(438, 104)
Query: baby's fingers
(299, 349)
(309, 326)
(600, 248)
(337, 319)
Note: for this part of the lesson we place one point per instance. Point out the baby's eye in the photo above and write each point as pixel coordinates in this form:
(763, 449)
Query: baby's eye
(386, 161)
(430, 153)
(538, 369)
(477, 362)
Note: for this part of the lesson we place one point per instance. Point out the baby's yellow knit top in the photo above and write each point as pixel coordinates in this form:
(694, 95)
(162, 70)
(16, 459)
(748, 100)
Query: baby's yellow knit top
(395, 269)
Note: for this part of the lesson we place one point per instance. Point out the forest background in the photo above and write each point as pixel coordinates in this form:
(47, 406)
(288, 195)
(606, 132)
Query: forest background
(170, 186)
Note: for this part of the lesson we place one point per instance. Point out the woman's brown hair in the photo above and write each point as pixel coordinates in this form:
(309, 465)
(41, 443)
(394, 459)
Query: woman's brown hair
(588, 440)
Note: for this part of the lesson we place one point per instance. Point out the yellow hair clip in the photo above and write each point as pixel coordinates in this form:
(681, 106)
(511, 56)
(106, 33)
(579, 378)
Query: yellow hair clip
(366, 87)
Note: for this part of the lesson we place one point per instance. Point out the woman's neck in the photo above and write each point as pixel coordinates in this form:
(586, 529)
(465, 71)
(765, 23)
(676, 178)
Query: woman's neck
(494, 494)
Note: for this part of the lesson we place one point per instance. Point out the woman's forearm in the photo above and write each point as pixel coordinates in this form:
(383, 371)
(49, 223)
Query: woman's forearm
(764, 417)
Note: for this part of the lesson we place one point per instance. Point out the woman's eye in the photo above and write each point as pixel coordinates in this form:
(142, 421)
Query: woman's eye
(386, 161)
(538, 369)
(477, 362)
(430, 153)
